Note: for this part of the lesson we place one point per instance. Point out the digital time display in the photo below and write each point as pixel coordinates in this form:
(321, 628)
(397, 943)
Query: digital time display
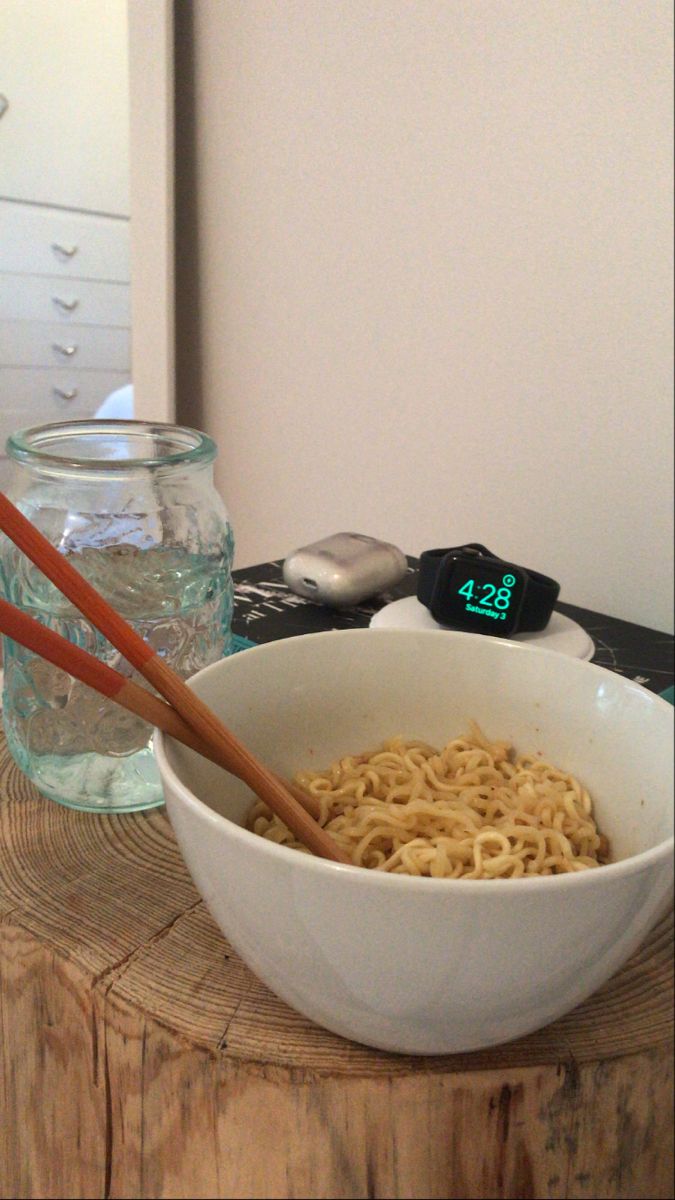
(479, 595)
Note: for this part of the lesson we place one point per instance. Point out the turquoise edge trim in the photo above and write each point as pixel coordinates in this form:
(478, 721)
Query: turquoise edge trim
(240, 643)
(669, 694)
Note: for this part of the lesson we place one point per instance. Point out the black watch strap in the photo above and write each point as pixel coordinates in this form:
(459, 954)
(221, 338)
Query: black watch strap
(540, 596)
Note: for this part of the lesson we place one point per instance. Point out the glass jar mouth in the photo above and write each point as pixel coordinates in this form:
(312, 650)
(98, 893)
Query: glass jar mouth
(108, 445)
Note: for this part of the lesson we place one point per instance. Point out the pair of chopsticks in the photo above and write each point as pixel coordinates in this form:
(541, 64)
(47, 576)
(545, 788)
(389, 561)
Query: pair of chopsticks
(181, 713)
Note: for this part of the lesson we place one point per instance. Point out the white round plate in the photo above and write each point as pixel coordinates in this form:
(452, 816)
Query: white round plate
(561, 634)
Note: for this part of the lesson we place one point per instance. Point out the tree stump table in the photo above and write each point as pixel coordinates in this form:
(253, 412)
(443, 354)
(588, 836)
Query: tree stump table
(140, 1058)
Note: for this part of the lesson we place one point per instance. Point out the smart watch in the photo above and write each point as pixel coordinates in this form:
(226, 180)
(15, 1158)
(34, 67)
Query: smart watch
(470, 588)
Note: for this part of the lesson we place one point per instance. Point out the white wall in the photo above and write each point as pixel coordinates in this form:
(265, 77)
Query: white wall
(151, 144)
(432, 292)
(65, 139)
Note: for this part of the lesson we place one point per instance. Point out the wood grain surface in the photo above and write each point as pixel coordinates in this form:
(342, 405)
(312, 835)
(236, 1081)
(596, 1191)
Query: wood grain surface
(139, 1057)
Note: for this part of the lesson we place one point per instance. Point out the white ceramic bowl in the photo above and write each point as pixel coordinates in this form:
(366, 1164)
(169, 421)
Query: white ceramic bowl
(419, 965)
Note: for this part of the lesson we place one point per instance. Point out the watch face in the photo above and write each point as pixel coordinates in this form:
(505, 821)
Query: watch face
(480, 595)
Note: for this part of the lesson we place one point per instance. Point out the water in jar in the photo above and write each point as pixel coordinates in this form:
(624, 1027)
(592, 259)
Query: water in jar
(80, 748)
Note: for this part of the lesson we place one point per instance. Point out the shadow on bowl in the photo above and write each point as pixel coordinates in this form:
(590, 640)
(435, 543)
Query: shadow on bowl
(419, 965)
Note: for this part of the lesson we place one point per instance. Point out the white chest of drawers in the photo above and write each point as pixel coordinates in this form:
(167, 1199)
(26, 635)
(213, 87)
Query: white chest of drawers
(65, 317)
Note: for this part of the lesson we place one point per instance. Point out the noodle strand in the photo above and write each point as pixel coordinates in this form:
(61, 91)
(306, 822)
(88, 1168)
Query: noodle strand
(472, 810)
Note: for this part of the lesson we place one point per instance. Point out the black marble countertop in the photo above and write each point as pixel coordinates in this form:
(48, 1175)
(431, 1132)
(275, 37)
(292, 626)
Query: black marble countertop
(265, 609)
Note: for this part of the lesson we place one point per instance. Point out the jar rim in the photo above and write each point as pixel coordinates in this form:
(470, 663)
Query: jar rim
(54, 445)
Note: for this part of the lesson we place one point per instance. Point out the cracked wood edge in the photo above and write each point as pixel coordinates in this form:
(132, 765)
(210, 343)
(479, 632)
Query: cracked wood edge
(140, 1057)
(98, 1100)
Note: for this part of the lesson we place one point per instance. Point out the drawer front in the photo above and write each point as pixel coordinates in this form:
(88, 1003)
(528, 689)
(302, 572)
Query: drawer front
(35, 396)
(40, 344)
(52, 241)
(67, 301)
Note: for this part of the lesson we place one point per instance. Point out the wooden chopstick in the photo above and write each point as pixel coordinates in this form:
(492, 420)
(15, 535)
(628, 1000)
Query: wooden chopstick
(96, 674)
(202, 720)
(110, 683)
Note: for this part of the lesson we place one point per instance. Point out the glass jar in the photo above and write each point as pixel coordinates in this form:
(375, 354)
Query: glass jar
(133, 506)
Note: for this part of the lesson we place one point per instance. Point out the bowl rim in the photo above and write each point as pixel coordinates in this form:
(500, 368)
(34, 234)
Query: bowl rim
(635, 863)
